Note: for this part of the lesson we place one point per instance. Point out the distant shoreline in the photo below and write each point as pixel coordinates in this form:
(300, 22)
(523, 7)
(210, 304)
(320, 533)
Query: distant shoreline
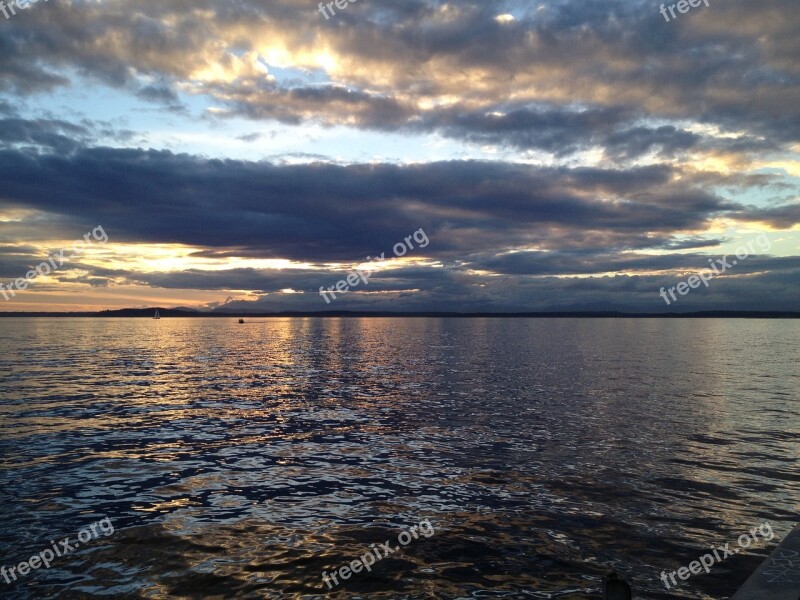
(147, 313)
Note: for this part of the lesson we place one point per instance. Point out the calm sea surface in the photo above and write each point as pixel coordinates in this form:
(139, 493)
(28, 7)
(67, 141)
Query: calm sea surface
(240, 461)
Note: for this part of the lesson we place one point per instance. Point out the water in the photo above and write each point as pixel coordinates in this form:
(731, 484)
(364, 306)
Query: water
(240, 461)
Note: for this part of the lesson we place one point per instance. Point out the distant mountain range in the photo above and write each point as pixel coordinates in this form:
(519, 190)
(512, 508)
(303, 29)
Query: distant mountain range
(183, 312)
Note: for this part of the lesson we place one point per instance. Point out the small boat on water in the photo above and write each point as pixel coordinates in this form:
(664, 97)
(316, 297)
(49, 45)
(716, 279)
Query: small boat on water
(156, 316)
(241, 321)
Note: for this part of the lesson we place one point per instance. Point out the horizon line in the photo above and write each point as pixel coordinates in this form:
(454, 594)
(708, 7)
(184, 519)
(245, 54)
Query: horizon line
(193, 314)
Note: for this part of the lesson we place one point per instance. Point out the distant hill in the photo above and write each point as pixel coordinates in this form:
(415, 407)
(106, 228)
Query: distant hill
(124, 312)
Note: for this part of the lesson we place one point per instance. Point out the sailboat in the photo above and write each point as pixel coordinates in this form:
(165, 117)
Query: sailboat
(157, 316)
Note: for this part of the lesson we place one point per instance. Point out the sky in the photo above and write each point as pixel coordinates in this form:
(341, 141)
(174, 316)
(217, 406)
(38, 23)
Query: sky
(565, 155)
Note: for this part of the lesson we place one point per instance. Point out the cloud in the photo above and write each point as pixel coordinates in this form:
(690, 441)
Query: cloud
(603, 69)
(158, 93)
(325, 212)
(49, 134)
(250, 137)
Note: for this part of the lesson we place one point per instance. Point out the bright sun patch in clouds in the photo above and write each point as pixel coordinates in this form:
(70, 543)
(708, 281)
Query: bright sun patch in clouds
(159, 258)
(16, 215)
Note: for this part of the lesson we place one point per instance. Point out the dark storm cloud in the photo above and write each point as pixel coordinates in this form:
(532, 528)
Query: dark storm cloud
(15, 261)
(60, 136)
(329, 105)
(21, 73)
(587, 263)
(559, 130)
(324, 212)
(779, 217)
(56, 135)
